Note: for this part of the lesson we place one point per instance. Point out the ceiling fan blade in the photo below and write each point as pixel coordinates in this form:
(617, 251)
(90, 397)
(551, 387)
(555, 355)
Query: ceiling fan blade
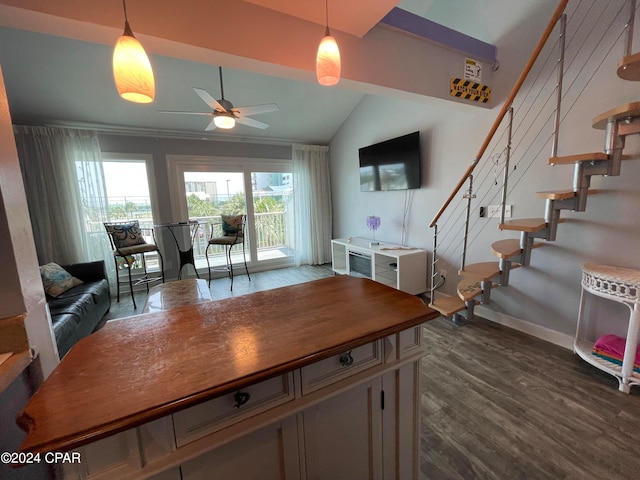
(209, 100)
(251, 122)
(185, 113)
(256, 109)
(211, 126)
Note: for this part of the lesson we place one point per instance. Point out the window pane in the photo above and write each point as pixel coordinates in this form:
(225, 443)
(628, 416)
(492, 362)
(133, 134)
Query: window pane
(209, 195)
(273, 207)
(128, 199)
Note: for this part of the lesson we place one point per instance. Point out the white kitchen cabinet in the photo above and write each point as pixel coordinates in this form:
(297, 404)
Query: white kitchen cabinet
(343, 435)
(270, 453)
(349, 416)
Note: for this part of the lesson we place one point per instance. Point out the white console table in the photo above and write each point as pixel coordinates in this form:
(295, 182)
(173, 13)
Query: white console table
(403, 268)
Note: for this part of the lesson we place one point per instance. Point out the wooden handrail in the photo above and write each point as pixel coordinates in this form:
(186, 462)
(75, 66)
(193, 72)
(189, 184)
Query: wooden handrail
(505, 108)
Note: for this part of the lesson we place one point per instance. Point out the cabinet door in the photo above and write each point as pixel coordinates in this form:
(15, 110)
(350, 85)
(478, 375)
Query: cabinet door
(343, 435)
(270, 453)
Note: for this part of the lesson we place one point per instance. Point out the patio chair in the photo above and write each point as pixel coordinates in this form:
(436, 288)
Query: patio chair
(233, 227)
(127, 241)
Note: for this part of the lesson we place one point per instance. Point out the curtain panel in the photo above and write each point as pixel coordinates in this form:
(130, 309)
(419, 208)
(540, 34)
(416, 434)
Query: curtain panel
(64, 183)
(312, 204)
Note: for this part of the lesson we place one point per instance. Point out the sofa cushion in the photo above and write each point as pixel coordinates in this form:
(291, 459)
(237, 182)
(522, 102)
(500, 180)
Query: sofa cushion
(56, 280)
(95, 289)
(78, 306)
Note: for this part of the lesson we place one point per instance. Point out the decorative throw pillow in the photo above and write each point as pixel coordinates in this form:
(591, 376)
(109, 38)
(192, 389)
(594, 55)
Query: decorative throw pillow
(125, 234)
(56, 280)
(232, 224)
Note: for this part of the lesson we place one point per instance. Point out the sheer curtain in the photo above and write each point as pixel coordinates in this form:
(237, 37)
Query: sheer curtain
(312, 199)
(64, 183)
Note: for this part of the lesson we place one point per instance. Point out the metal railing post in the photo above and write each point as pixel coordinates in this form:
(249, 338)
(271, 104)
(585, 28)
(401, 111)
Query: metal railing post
(505, 174)
(469, 196)
(628, 47)
(556, 125)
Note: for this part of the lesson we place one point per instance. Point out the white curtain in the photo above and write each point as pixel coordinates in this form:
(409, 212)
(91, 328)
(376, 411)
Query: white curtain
(64, 183)
(312, 200)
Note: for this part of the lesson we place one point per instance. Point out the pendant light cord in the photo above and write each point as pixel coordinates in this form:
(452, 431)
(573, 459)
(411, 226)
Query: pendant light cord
(326, 4)
(127, 28)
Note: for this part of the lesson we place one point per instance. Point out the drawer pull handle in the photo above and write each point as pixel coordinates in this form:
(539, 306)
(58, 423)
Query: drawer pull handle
(241, 398)
(346, 359)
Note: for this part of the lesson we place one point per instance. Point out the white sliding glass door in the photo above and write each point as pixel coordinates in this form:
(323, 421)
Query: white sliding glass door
(203, 188)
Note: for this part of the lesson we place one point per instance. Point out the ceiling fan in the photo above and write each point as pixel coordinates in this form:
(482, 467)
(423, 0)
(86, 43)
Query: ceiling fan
(224, 114)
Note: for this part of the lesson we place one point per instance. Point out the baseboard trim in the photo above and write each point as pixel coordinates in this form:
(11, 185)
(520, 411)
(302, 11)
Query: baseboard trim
(538, 331)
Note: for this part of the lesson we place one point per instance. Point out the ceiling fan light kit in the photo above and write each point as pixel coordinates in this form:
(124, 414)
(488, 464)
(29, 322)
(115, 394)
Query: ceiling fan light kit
(328, 57)
(224, 114)
(224, 121)
(132, 70)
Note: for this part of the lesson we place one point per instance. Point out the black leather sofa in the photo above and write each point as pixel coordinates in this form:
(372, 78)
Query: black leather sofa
(76, 313)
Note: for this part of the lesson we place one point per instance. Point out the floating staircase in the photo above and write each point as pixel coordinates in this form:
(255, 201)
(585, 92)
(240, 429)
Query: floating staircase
(480, 278)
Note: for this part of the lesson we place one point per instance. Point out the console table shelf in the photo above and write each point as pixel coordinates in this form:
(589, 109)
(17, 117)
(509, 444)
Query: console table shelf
(620, 285)
(402, 268)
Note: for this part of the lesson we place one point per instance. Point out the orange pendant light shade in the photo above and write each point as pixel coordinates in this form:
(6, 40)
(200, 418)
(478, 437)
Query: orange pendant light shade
(328, 61)
(131, 67)
(132, 71)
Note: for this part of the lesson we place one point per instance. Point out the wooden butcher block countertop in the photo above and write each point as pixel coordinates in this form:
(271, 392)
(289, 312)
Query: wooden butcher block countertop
(144, 367)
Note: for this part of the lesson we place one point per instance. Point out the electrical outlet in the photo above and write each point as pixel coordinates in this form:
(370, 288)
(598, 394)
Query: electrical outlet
(496, 210)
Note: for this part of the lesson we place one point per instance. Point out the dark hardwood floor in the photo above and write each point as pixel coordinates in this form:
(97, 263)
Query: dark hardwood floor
(497, 403)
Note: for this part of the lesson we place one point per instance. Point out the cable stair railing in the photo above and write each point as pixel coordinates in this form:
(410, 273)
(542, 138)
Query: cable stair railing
(478, 279)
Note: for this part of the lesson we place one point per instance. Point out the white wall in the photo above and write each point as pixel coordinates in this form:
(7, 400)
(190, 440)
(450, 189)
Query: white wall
(545, 294)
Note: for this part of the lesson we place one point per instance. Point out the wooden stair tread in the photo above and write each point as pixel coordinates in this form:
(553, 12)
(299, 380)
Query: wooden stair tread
(581, 157)
(509, 248)
(469, 288)
(447, 305)
(524, 225)
(618, 113)
(481, 271)
(629, 67)
(560, 195)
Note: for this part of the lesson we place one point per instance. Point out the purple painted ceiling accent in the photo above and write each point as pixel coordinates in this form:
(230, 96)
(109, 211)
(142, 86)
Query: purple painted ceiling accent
(422, 27)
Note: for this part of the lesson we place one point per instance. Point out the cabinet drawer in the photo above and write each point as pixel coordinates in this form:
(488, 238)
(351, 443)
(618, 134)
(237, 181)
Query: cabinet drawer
(332, 369)
(213, 415)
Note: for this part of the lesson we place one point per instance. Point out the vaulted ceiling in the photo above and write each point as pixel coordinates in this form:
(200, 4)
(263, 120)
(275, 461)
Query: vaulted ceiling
(56, 59)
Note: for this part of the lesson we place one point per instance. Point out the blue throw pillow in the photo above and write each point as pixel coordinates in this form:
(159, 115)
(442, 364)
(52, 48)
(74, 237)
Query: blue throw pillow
(56, 280)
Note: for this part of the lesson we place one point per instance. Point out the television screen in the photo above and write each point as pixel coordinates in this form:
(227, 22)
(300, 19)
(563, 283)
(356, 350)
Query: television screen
(391, 165)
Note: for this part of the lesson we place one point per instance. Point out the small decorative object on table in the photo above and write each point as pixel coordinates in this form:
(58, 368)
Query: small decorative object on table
(373, 223)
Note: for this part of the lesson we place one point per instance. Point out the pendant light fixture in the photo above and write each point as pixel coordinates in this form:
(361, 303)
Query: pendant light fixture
(328, 58)
(131, 67)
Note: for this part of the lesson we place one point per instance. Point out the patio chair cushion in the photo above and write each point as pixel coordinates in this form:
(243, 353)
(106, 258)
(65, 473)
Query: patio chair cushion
(232, 224)
(126, 234)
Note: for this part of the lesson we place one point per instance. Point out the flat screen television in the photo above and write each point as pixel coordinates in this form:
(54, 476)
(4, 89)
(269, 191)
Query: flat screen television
(391, 165)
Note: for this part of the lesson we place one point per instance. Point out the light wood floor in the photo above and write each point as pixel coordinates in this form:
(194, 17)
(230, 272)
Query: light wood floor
(499, 404)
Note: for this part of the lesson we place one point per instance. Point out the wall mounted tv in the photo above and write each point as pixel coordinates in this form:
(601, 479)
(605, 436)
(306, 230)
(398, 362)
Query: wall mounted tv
(391, 165)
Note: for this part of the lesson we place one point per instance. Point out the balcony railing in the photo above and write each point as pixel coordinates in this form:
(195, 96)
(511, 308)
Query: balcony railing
(272, 231)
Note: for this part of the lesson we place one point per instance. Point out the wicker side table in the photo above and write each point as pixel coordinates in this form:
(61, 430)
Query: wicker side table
(620, 285)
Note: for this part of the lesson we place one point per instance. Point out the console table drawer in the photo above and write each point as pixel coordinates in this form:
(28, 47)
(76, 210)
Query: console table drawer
(329, 370)
(213, 415)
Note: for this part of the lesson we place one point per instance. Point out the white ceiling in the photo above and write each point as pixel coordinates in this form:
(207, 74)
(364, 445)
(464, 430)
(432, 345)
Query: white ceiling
(57, 71)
